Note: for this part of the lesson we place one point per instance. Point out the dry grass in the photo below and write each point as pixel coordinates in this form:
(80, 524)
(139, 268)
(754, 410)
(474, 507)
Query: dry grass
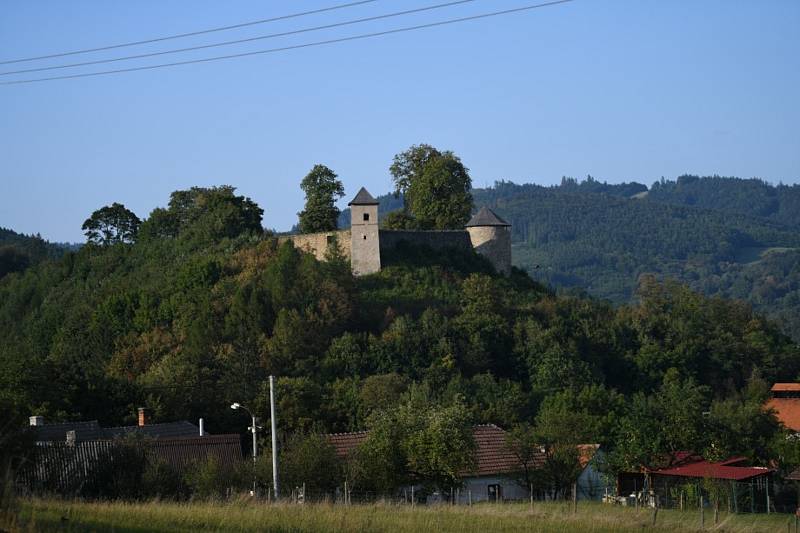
(56, 515)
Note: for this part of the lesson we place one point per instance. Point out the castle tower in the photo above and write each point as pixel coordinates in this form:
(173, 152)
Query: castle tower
(365, 253)
(491, 237)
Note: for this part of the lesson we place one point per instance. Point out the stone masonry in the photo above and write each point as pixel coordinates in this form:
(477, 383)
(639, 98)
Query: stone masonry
(486, 233)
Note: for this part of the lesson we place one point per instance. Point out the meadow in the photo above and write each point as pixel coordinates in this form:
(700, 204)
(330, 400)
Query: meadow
(243, 516)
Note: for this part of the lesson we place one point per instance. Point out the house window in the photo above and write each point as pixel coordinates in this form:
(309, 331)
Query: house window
(364, 237)
(366, 217)
(331, 239)
(495, 493)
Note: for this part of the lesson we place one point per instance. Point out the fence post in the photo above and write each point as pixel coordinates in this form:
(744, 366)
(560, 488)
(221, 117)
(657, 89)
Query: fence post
(469, 494)
(702, 513)
(531, 488)
(716, 511)
(345, 492)
(655, 513)
(412, 496)
(574, 498)
(767, 491)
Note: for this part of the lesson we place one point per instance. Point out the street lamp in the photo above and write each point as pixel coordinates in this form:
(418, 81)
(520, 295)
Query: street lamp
(274, 432)
(254, 429)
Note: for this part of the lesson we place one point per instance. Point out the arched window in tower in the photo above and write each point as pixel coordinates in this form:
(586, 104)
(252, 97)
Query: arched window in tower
(366, 217)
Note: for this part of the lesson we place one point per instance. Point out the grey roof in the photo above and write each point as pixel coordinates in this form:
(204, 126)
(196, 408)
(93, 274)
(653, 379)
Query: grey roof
(363, 198)
(486, 217)
(89, 430)
(168, 429)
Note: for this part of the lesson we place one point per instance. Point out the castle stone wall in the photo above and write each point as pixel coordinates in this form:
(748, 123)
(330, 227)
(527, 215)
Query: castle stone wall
(438, 239)
(494, 243)
(317, 243)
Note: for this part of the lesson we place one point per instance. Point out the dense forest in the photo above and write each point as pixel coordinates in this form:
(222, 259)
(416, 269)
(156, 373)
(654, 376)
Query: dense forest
(721, 236)
(752, 197)
(195, 309)
(18, 252)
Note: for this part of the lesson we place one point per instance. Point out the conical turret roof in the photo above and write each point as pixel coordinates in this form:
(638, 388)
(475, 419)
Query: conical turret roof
(363, 198)
(486, 217)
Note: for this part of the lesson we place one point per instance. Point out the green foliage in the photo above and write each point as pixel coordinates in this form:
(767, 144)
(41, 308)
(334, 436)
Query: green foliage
(18, 252)
(203, 215)
(309, 459)
(208, 479)
(111, 224)
(706, 232)
(414, 442)
(322, 189)
(436, 188)
(753, 197)
(204, 306)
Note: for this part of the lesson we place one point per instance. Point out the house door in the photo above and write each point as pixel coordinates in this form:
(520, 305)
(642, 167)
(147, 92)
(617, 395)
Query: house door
(495, 493)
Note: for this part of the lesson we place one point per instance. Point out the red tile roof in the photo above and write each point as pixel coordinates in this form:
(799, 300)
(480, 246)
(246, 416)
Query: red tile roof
(699, 468)
(787, 410)
(344, 443)
(786, 387)
(492, 455)
(795, 475)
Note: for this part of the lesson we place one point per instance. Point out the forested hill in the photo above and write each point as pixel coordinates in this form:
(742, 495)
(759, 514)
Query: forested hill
(196, 310)
(18, 251)
(602, 243)
(750, 197)
(716, 234)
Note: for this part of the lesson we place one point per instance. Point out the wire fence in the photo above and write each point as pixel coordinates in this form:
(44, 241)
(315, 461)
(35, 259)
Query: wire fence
(75, 469)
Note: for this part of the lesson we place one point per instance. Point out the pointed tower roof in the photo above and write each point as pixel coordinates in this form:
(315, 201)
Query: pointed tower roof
(486, 217)
(363, 198)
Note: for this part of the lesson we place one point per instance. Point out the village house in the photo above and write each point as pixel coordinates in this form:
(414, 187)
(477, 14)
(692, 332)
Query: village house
(67, 453)
(493, 478)
(785, 401)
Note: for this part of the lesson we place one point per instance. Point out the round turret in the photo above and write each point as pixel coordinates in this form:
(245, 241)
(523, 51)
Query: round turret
(491, 237)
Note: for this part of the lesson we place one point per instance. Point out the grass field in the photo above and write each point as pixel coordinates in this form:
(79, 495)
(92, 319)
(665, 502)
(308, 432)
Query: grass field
(56, 515)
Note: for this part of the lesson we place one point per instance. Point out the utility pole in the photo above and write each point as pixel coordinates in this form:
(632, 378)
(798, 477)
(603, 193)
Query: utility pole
(274, 435)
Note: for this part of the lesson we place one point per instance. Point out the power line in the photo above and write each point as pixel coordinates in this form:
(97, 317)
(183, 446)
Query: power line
(294, 47)
(190, 34)
(239, 41)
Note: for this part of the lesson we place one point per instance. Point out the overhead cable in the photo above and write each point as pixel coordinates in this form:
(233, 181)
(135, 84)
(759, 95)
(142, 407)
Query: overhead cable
(247, 40)
(294, 47)
(190, 34)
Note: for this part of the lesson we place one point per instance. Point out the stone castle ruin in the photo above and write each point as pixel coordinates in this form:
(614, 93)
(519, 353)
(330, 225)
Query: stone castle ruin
(364, 243)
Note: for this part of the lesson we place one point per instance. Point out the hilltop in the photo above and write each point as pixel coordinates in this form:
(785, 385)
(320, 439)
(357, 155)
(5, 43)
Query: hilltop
(195, 311)
(721, 236)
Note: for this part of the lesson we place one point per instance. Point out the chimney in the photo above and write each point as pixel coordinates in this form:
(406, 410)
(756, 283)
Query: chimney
(202, 431)
(36, 420)
(142, 416)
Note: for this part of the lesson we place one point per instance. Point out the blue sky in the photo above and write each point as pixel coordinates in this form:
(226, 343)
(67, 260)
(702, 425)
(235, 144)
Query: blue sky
(621, 90)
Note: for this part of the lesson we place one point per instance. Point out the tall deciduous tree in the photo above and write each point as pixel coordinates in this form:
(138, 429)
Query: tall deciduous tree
(436, 187)
(111, 224)
(322, 189)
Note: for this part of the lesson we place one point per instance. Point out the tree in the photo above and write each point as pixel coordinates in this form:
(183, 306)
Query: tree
(202, 215)
(111, 224)
(435, 185)
(310, 459)
(415, 442)
(521, 440)
(655, 428)
(322, 190)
